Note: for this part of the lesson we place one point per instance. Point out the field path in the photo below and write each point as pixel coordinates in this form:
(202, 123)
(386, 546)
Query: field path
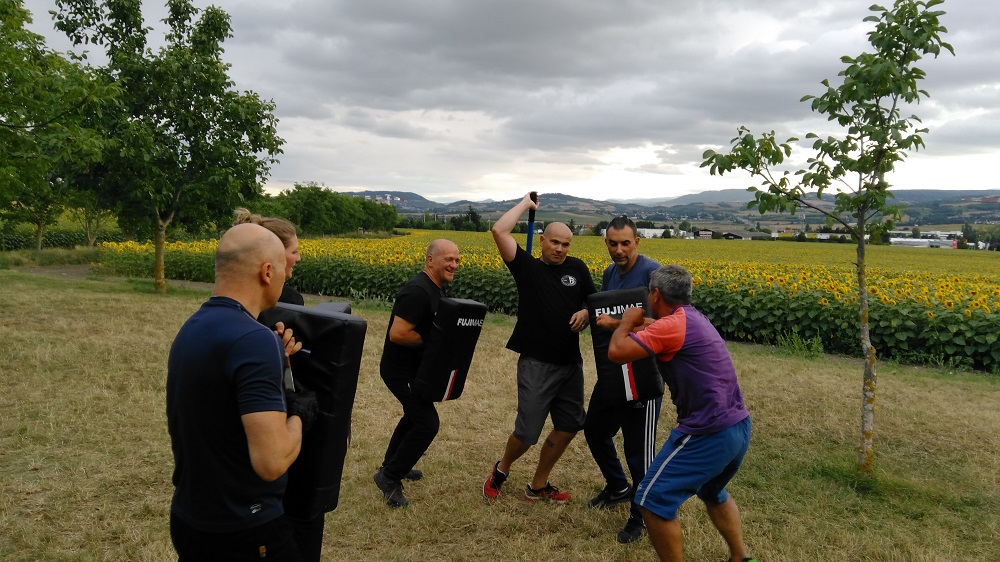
(83, 271)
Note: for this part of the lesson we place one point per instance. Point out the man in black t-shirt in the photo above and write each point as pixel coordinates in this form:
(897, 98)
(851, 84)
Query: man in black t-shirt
(551, 311)
(410, 325)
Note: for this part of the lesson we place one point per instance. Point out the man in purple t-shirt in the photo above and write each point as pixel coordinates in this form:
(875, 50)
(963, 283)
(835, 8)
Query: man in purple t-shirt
(707, 447)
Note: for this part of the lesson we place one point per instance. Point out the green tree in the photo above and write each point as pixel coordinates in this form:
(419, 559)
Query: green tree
(915, 232)
(475, 219)
(377, 217)
(88, 210)
(991, 235)
(39, 203)
(42, 100)
(685, 226)
(969, 235)
(189, 148)
(599, 228)
(867, 103)
(316, 210)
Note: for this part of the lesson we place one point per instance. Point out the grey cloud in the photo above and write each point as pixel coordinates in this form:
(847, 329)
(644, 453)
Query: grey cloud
(557, 81)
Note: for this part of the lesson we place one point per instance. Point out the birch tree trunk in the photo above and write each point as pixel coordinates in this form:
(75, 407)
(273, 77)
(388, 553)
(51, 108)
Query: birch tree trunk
(866, 451)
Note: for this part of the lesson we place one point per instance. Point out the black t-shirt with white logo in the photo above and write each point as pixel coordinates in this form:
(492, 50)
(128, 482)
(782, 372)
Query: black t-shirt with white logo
(547, 296)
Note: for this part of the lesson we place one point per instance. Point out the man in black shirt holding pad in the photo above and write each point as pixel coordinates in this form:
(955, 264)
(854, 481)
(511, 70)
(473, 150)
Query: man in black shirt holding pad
(410, 324)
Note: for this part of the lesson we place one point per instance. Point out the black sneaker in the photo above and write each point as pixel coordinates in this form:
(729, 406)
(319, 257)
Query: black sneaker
(414, 474)
(633, 531)
(608, 498)
(392, 490)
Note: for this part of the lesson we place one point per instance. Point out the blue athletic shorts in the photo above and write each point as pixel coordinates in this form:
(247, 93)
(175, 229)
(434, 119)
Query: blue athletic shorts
(689, 465)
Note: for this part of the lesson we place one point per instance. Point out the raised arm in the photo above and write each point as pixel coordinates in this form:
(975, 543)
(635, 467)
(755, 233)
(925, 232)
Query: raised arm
(505, 225)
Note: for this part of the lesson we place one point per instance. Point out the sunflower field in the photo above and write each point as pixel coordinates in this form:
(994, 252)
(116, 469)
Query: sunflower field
(927, 305)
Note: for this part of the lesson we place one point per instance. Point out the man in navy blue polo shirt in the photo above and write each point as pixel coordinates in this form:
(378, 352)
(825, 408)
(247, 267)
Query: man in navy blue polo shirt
(232, 434)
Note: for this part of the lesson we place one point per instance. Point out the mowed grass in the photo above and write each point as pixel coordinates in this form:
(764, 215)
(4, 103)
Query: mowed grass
(85, 459)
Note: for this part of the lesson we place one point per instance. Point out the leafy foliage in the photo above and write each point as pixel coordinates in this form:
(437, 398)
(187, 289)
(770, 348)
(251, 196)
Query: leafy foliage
(317, 211)
(189, 148)
(53, 239)
(867, 105)
(43, 99)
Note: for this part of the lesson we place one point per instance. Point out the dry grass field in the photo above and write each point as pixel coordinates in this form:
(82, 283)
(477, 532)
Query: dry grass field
(85, 459)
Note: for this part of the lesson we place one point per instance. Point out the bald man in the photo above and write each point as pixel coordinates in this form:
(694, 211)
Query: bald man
(410, 324)
(551, 311)
(232, 432)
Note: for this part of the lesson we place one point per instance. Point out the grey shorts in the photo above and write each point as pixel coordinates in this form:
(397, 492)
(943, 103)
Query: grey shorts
(548, 388)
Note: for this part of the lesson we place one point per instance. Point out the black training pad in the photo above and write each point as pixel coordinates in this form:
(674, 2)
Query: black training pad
(644, 381)
(329, 363)
(448, 353)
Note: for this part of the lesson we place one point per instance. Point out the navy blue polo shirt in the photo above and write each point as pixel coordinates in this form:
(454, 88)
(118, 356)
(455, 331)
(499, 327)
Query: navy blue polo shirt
(223, 364)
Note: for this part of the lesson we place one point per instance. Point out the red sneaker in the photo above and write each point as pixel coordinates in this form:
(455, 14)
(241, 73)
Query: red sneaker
(491, 488)
(549, 492)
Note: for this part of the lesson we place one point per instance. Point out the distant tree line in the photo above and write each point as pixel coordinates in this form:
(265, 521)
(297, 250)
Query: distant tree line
(471, 220)
(317, 211)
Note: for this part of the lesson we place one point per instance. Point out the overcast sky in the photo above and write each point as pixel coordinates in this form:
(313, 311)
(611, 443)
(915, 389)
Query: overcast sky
(605, 99)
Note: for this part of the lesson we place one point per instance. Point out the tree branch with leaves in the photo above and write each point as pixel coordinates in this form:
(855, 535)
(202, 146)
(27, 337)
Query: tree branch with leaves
(189, 147)
(867, 105)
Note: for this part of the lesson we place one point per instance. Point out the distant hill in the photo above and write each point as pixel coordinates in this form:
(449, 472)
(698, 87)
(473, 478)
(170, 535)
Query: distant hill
(923, 206)
(721, 196)
(654, 202)
(552, 202)
(940, 195)
(404, 201)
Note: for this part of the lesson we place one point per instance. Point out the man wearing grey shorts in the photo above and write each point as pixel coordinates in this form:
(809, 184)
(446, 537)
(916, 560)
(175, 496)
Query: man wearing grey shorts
(551, 311)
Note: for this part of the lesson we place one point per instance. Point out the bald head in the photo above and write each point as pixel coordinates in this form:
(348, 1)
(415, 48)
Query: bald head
(555, 242)
(441, 261)
(243, 249)
(250, 267)
(436, 247)
(557, 229)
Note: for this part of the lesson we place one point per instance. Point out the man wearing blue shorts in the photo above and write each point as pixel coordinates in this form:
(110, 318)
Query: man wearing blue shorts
(707, 447)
